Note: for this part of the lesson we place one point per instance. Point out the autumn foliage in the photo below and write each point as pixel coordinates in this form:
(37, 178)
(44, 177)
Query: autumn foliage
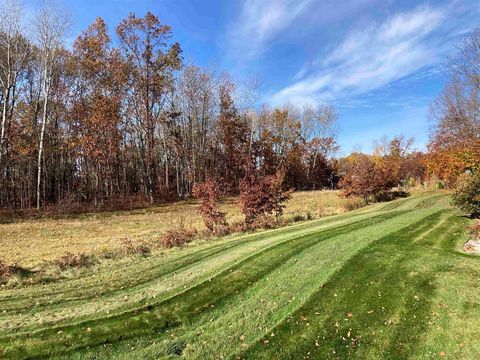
(262, 195)
(209, 193)
(474, 230)
(454, 146)
(124, 123)
(467, 194)
(366, 176)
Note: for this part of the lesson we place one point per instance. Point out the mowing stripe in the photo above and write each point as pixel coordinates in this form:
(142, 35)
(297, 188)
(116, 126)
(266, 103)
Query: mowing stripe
(173, 311)
(31, 315)
(281, 293)
(392, 205)
(429, 202)
(332, 324)
(77, 290)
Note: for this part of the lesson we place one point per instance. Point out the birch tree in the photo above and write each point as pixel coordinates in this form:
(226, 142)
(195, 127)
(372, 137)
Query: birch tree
(14, 50)
(50, 30)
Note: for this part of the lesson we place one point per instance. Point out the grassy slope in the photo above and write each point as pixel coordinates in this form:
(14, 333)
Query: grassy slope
(31, 242)
(386, 281)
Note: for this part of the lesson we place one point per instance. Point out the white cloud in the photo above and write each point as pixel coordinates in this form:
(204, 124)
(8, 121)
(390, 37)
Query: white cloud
(260, 21)
(370, 58)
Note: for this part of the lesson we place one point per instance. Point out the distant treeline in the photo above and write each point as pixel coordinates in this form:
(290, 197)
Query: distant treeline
(100, 124)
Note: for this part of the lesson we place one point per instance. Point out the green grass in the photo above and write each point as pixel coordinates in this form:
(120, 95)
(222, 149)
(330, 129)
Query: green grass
(386, 281)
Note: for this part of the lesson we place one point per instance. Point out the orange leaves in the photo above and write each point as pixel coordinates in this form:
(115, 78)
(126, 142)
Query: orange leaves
(448, 162)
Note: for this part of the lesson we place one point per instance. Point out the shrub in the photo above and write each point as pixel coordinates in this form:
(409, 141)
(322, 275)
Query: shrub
(69, 260)
(389, 195)
(174, 238)
(474, 231)
(262, 195)
(467, 194)
(263, 221)
(5, 271)
(298, 218)
(209, 194)
(353, 203)
(367, 176)
(237, 227)
(129, 248)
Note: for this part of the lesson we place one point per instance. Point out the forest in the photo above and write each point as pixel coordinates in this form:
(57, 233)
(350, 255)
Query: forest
(114, 123)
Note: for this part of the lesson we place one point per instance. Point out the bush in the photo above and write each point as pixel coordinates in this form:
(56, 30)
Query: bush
(467, 194)
(174, 238)
(69, 260)
(263, 221)
(129, 248)
(262, 195)
(298, 218)
(5, 271)
(353, 203)
(440, 185)
(389, 195)
(209, 194)
(367, 177)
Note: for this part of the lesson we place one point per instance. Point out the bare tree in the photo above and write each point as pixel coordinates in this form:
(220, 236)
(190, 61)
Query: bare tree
(250, 97)
(457, 109)
(14, 50)
(455, 137)
(50, 29)
(467, 62)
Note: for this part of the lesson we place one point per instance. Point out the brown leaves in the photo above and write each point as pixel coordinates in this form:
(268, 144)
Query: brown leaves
(262, 195)
(209, 193)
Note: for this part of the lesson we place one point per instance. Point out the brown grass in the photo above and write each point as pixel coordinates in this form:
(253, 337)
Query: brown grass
(5, 271)
(35, 241)
(69, 260)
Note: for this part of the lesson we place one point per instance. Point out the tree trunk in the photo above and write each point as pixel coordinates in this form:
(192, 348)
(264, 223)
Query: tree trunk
(46, 89)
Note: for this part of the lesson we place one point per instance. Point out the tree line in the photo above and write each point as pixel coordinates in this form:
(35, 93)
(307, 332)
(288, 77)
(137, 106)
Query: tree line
(103, 124)
(115, 120)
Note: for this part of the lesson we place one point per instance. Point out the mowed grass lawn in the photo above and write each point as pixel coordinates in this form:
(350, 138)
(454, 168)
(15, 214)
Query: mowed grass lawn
(31, 243)
(388, 281)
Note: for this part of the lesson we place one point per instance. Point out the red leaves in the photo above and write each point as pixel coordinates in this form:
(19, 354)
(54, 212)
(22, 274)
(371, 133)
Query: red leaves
(262, 195)
(366, 176)
(209, 193)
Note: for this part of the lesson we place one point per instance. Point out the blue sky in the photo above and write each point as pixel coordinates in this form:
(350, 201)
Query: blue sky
(380, 62)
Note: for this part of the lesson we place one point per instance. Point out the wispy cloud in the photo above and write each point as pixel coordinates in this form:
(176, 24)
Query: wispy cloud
(372, 57)
(260, 21)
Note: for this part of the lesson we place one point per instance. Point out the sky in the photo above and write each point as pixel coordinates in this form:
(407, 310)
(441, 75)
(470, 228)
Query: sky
(379, 62)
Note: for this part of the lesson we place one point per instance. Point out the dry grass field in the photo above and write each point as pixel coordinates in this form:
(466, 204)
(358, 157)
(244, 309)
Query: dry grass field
(29, 243)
